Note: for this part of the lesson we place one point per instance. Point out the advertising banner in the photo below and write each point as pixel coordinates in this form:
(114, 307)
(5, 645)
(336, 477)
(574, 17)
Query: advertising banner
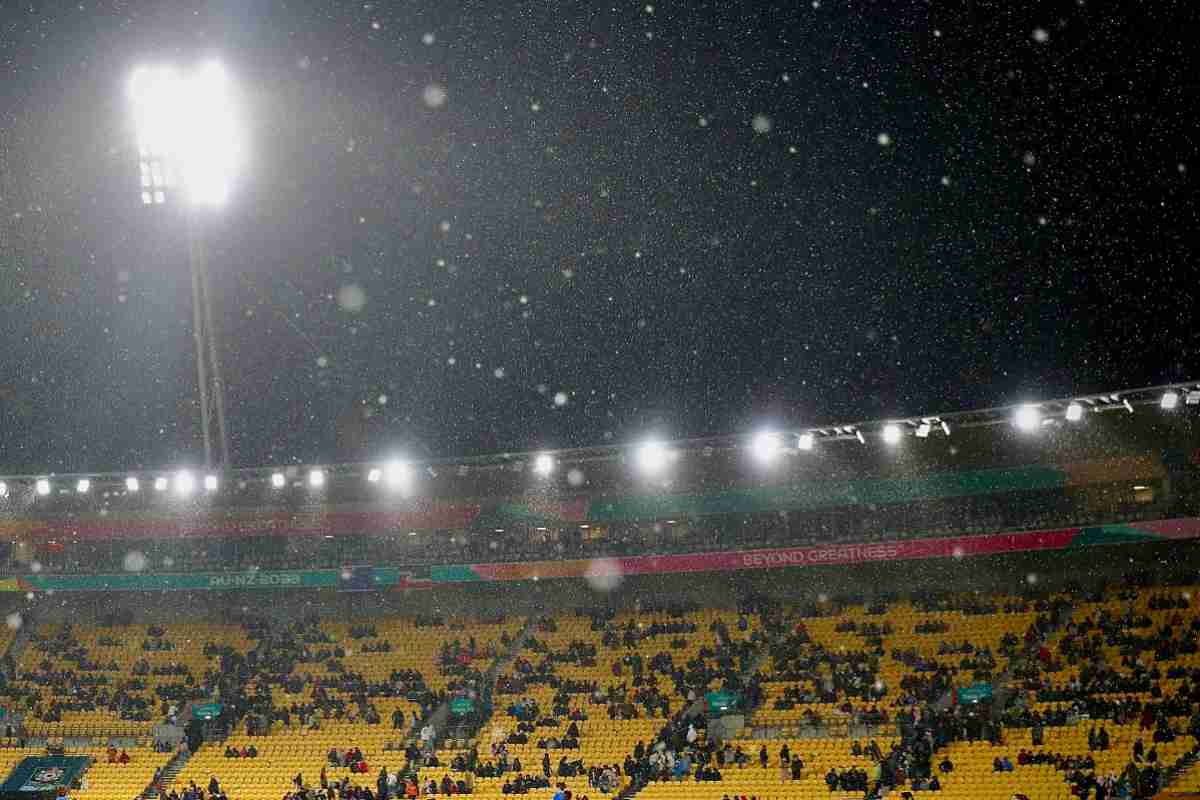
(366, 578)
(975, 693)
(44, 774)
(461, 706)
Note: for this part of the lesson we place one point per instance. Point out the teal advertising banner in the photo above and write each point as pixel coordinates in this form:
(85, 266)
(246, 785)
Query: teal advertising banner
(461, 706)
(975, 693)
(44, 774)
(720, 702)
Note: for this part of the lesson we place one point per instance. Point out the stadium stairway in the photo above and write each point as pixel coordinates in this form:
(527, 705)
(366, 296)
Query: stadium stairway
(441, 715)
(168, 775)
(1004, 681)
(16, 645)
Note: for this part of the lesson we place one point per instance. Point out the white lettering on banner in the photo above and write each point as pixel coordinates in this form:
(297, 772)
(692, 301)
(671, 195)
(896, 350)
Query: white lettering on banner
(774, 558)
(247, 580)
(822, 555)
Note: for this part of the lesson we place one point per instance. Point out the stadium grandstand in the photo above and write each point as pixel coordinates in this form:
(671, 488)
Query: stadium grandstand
(988, 605)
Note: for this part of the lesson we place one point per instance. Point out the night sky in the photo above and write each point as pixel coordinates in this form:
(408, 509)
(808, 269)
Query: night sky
(470, 227)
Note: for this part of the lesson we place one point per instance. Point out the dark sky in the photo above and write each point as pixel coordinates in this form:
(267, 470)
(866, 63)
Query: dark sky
(715, 213)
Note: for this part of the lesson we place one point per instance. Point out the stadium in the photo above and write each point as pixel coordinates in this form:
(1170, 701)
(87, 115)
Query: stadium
(986, 604)
(598, 401)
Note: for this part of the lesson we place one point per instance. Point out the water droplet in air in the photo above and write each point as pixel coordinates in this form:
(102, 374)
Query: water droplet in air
(134, 561)
(351, 297)
(434, 96)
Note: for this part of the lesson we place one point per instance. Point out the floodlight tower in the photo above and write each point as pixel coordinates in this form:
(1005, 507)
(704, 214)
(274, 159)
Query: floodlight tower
(189, 148)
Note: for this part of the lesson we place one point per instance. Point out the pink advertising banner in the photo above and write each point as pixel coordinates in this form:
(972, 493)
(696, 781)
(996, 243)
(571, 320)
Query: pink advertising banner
(775, 558)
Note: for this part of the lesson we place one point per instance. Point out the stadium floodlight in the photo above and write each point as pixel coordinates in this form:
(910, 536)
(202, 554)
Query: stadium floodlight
(543, 465)
(316, 478)
(374, 475)
(923, 430)
(132, 484)
(3, 489)
(185, 482)
(277, 480)
(83, 486)
(42, 487)
(805, 441)
(766, 447)
(160, 484)
(1169, 400)
(1074, 412)
(892, 433)
(187, 132)
(652, 457)
(398, 475)
(211, 483)
(1028, 418)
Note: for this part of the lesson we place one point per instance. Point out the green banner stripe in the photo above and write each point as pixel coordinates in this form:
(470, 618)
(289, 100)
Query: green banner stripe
(829, 494)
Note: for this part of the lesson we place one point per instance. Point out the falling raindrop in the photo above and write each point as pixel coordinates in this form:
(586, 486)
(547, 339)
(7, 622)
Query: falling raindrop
(351, 297)
(434, 96)
(604, 575)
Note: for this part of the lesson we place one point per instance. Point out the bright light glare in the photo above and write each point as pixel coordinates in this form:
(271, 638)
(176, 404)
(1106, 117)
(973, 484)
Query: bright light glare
(892, 433)
(1074, 412)
(1169, 400)
(923, 430)
(766, 446)
(374, 475)
(132, 484)
(399, 475)
(652, 457)
(3, 489)
(805, 442)
(187, 130)
(210, 483)
(543, 465)
(277, 480)
(160, 484)
(185, 482)
(83, 486)
(1028, 418)
(42, 487)
(316, 478)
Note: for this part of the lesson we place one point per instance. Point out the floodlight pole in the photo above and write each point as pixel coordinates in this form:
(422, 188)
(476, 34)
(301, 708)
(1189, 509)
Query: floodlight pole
(208, 360)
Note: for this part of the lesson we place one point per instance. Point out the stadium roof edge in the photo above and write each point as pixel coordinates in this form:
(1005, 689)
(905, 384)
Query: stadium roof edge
(1101, 402)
